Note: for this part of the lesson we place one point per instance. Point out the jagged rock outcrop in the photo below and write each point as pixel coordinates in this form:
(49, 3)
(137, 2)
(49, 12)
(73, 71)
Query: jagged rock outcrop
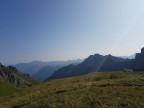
(139, 61)
(14, 76)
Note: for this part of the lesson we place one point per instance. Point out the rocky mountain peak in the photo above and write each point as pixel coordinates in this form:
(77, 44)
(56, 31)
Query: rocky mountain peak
(12, 75)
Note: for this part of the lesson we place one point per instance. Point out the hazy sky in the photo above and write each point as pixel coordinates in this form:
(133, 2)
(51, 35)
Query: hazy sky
(69, 29)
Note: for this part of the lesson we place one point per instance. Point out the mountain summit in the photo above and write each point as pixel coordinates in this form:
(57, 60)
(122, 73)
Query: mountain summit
(94, 63)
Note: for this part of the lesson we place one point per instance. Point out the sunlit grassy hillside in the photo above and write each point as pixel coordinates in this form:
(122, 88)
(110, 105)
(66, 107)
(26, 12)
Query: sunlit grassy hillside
(95, 90)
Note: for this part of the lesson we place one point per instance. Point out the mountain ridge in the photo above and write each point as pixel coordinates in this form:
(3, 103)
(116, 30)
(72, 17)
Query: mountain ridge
(101, 63)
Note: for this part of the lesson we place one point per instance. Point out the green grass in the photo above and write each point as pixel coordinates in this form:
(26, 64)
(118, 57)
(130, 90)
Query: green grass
(95, 90)
(7, 90)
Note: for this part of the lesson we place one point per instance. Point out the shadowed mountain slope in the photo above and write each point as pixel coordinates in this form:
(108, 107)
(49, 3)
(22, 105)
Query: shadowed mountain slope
(93, 63)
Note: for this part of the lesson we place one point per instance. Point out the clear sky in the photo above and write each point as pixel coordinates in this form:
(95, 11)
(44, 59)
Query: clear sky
(69, 29)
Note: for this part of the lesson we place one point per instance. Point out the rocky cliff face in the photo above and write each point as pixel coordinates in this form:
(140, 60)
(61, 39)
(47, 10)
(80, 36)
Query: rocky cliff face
(139, 60)
(14, 76)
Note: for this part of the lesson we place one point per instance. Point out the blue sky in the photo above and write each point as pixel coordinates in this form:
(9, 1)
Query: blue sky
(69, 29)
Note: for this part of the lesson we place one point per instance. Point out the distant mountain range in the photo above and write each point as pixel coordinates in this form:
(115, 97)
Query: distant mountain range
(31, 67)
(42, 70)
(46, 72)
(100, 63)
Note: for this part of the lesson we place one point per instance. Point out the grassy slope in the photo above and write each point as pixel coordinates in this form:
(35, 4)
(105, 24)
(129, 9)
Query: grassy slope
(7, 91)
(96, 90)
